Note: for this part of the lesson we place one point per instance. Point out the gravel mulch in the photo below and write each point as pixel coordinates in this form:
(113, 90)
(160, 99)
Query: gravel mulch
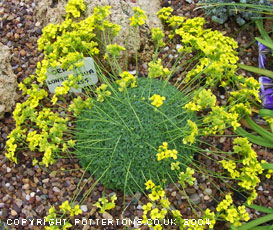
(28, 191)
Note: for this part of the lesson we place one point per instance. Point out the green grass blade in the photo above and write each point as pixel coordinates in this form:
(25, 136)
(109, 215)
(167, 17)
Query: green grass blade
(262, 31)
(261, 208)
(254, 223)
(253, 69)
(266, 112)
(267, 165)
(265, 42)
(253, 138)
(259, 129)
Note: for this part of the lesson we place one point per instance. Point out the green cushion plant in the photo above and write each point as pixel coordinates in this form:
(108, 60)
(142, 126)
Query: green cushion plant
(119, 138)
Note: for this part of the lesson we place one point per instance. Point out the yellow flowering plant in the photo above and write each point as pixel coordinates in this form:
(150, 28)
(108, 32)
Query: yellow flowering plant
(133, 132)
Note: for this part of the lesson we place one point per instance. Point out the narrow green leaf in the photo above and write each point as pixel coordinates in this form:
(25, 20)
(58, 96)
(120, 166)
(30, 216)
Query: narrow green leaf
(260, 208)
(266, 112)
(267, 165)
(264, 34)
(267, 227)
(253, 138)
(259, 129)
(266, 43)
(256, 222)
(260, 71)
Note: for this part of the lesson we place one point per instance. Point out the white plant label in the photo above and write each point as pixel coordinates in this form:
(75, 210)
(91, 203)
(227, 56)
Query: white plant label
(56, 76)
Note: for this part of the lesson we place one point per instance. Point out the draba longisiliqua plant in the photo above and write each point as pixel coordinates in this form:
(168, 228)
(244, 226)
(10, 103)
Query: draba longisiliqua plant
(139, 134)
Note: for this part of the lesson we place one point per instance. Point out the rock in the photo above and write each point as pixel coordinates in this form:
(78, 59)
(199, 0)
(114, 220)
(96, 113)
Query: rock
(23, 53)
(40, 209)
(107, 216)
(8, 82)
(55, 189)
(19, 203)
(173, 193)
(13, 213)
(25, 187)
(121, 11)
(190, 191)
(195, 198)
(84, 208)
(208, 191)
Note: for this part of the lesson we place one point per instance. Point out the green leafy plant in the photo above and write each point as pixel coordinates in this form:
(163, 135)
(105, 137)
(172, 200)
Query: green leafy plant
(128, 132)
(242, 11)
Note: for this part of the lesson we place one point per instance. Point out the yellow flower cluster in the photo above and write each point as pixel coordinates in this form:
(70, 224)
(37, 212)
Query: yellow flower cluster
(158, 208)
(241, 108)
(104, 204)
(164, 152)
(208, 215)
(139, 17)
(65, 87)
(218, 55)
(251, 167)
(186, 177)
(102, 92)
(78, 104)
(230, 213)
(193, 130)
(74, 7)
(175, 165)
(218, 120)
(65, 208)
(157, 100)
(69, 42)
(158, 36)
(164, 13)
(247, 169)
(52, 128)
(241, 99)
(202, 99)
(269, 120)
(114, 50)
(51, 125)
(175, 21)
(269, 173)
(127, 80)
(157, 70)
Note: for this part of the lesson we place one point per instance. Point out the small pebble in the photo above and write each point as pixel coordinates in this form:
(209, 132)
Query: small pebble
(84, 208)
(55, 189)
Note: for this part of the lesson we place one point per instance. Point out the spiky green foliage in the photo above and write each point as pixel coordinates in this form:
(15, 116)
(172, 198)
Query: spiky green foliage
(118, 139)
(243, 10)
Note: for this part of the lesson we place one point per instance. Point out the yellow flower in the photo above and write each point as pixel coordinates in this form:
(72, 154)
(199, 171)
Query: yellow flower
(138, 18)
(34, 162)
(154, 196)
(149, 184)
(175, 165)
(65, 206)
(193, 133)
(146, 208)
(157, 100)
(75, 211)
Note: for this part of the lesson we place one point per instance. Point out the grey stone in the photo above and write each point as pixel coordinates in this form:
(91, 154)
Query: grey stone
(195, 198)
(8, 82)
